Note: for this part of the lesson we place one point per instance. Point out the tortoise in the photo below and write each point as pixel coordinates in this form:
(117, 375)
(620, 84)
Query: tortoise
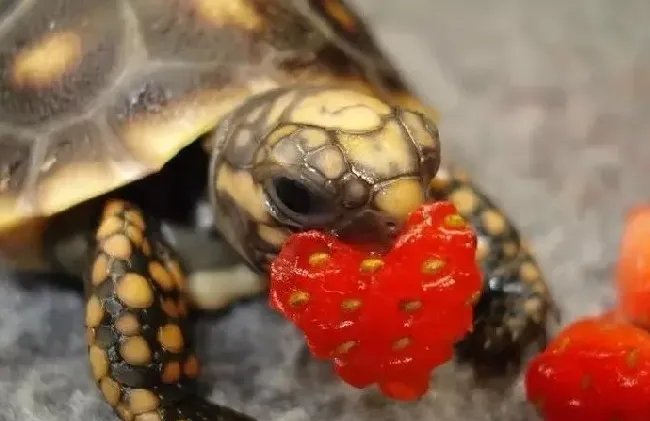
(162, 151)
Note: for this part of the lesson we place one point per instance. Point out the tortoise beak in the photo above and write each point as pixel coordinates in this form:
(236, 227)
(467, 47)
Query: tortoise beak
(370, 229)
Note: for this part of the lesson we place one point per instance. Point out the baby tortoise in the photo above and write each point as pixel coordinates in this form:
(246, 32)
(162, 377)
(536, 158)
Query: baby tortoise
(120, 121)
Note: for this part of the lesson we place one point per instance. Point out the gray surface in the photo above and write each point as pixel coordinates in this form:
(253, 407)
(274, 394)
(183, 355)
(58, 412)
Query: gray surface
(547, 103)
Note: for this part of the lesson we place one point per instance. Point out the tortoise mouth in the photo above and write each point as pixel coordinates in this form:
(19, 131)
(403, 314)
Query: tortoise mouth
(370, 230)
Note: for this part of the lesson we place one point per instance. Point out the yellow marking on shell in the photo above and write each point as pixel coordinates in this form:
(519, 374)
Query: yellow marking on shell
(319, 258)
(134, 291)
(272, 235)
(494, 222)
(345, 347)
(46, 62)
(118, 246)
(247, 194)
(410, 306)
(171, 372)
(464, 200)
(171, 338)
(128, 325)
(351, 304)
(298, 298)
(417, 130)
(76, 182)
(432, 266)
(329, 162)
(313, 138)
(401, 344)
(161, 276)
(99, 270)
(98, 362)
(336, 109)
(94, 312)
(111, 390)
(142, 400)
(135, 351)
(135, 218)
(529, 273)
(220, 13)
(109, 227)
(340, 14)
(191, 366)
(399, 198)
(371, 265)
(123, 412)
(154, 138)
(384, 153)
(169, 307)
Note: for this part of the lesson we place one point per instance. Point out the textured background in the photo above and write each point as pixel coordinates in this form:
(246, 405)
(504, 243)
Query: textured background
(546, 103)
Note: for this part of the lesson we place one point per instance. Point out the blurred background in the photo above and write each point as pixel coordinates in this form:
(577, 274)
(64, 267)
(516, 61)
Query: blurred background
(547, 105)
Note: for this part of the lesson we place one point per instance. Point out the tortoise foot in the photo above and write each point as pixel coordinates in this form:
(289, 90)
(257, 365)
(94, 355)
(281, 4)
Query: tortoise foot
(139, 343)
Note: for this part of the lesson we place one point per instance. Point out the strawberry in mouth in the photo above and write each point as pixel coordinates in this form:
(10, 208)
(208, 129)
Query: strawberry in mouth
(385, 316)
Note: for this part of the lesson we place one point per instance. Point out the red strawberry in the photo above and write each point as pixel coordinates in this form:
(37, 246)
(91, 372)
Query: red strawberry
(633, 272)
(388, 319)
(596, 369)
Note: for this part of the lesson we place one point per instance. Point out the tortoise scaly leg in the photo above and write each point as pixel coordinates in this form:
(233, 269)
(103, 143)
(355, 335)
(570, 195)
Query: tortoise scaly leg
(516, 309)
(139, 341)
(217, 275)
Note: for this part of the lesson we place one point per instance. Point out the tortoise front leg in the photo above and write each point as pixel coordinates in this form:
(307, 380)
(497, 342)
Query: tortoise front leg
(139, 341)
(217, 276)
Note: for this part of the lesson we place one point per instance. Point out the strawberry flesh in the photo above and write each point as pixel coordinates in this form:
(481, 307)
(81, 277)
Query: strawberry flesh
(633, 271)
(386, 318)
(596, 369)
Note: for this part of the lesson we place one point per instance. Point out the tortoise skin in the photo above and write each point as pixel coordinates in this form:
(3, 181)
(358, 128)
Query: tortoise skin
(139, 339)
(110, 91)
(326, 139)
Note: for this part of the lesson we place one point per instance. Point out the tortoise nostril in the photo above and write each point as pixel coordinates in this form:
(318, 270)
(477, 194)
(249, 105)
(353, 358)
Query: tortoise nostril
(391, 228)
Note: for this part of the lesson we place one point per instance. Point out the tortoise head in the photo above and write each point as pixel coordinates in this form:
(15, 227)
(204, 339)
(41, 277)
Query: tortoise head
(327, 159)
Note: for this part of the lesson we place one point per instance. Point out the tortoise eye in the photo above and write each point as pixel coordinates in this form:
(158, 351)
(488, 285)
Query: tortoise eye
(299, 202)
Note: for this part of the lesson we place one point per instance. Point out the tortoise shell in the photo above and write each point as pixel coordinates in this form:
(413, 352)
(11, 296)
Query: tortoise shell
(96, 94)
